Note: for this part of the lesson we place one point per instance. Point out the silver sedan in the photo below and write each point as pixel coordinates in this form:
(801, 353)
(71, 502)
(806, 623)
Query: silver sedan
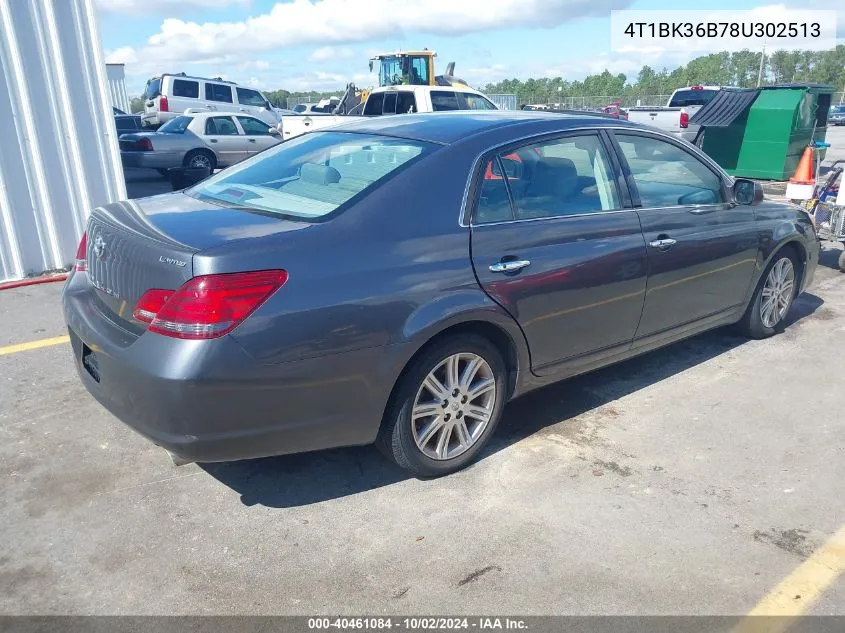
(211, 140)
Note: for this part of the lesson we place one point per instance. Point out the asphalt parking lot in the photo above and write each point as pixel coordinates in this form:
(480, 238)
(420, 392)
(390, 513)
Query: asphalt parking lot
(693, 480)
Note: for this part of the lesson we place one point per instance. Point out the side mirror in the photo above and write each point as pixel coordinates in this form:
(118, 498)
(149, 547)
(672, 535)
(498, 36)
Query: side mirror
(274, 131)
(747, 192)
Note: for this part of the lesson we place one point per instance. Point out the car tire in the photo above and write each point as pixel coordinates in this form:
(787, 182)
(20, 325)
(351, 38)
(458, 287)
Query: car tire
(842, 258)
(199, 158)
(445, 440)
(780, 281)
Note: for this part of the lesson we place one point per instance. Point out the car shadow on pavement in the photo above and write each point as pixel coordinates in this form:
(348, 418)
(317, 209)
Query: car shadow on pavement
(303, 479)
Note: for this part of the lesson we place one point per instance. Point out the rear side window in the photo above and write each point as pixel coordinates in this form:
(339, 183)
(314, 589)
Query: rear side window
(470, 101)
(176, 125)
(183, 88)
(220, 126)
(684, 98)
(567, 176)
(313, 175)
(444, 100)
(218, 92)
(250, 97)
(666, 175)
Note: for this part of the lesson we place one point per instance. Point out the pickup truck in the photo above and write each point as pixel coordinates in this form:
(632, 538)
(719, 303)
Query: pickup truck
(674, 116)
(402, 99)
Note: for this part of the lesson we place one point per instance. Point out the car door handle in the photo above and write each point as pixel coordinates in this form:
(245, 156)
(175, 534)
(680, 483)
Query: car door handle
(509, 266)
(251, 140)
(212, 140)
(663, 243)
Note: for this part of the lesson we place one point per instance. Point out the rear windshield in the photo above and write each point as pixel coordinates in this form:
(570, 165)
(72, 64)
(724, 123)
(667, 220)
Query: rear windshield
(684, 98)
(312, 176)
(153, 88)
(176, 126)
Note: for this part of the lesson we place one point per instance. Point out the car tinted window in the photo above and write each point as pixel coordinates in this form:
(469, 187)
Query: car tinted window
(405, 102)
(218, 92)
(668, 176)
(220, 126)
(471, 101)
(177, 125)
(188, 89)
(374, 104)
(153, 88)
(444, 100)
(312, 175)
(250, 97)
(253, 127)
(684, 98)
(566, 176)
(389, 106)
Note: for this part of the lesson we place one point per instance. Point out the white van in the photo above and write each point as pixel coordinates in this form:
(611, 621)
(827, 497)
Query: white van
(169, 95)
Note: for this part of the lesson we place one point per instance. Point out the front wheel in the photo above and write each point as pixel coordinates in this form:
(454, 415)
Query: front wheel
(773, 297)
(445, 407)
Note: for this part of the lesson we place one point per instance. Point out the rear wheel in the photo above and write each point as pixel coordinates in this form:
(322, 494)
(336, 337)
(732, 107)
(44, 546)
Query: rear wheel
(445, 407)
(773, 297)
(199, 159)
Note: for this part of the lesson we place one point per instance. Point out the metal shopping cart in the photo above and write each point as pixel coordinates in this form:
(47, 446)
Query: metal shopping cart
(827, 207)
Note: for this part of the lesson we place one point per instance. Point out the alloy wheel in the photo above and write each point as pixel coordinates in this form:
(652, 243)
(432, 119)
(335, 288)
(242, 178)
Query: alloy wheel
(453, 406)
(199, 161)
(777, 293)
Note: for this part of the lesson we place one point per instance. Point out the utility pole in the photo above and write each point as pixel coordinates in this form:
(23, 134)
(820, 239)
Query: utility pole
(762, 62)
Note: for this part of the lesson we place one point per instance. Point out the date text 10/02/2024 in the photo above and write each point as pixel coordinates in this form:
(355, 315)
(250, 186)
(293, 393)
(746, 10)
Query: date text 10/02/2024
(416, 623)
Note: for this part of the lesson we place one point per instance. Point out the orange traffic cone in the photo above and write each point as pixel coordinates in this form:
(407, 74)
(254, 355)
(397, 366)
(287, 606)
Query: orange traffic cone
(802, 183)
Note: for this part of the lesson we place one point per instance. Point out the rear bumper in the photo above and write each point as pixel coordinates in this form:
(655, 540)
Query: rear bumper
(151, 160)
(209, 401)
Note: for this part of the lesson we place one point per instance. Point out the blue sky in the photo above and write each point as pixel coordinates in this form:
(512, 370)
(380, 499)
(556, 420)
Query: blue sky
(323, 44)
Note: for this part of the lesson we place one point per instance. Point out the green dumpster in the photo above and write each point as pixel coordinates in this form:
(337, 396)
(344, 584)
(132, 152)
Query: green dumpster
(764, 139)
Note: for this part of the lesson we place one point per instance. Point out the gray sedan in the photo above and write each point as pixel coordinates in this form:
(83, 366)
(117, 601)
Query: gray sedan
(397, 280)
(198, 140)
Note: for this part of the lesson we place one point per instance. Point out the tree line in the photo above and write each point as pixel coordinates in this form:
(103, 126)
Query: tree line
(722, 69)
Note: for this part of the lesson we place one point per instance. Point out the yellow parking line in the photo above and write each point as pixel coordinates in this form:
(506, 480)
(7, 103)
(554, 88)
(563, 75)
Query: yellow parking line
(796, 593)
(23, 347)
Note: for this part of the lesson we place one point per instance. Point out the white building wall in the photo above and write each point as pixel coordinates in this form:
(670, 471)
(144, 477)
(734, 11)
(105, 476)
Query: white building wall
(58, 147)
(117, 87)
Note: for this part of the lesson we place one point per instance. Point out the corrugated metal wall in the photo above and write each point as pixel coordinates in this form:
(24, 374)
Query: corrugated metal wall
(117, 86)
(59, 153)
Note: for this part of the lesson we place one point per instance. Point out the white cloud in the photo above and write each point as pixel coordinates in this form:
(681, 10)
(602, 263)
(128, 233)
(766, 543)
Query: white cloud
(327, 53)
(328, 22)
(154, 6)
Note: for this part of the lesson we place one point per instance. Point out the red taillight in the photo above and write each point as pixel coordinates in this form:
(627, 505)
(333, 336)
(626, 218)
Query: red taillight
(150, 303)
(144, 144)
(210, 305)
(684, 119)
(162, 104)
(81, 264)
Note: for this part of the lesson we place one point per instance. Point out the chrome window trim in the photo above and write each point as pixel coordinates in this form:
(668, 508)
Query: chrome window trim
(463, 222)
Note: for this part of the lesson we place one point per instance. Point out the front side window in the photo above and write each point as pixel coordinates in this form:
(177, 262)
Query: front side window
(311, 176)
(444, 100)
(419, 71)
(667, 175)
(567, 176)
(220, 126)
(406, 103)
(470, 101)
(187, 89)
(250, 97)
(218, 92)
(253, 127)
(176, 125)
